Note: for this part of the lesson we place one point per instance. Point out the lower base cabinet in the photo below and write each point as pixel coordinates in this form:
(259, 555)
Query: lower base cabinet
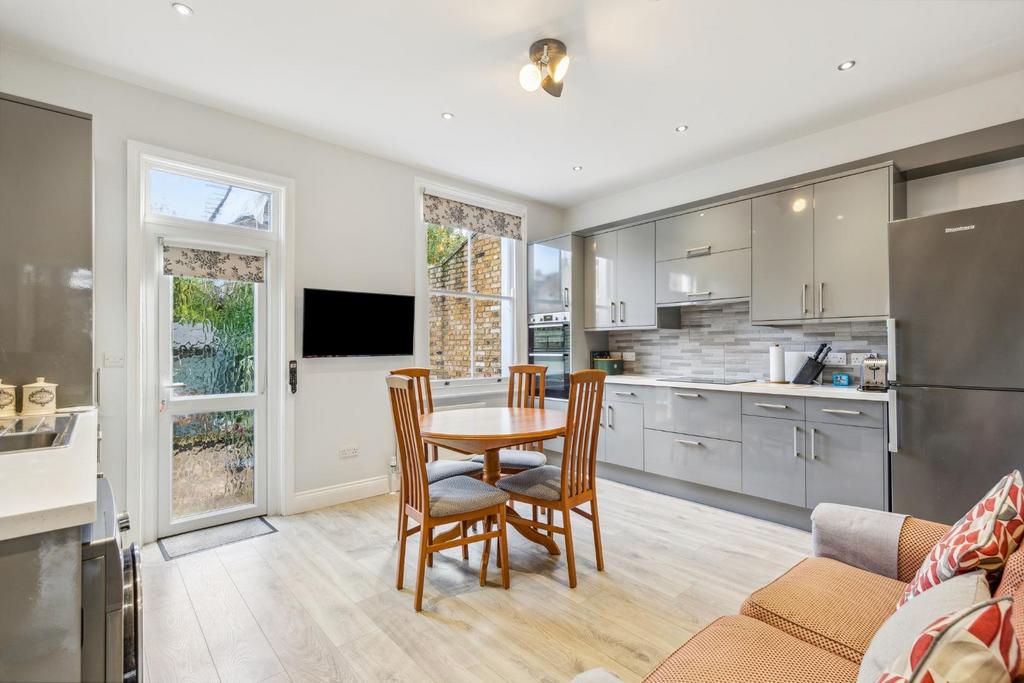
(773, 459)
(697, 459)
(843, 465)
(624, 434)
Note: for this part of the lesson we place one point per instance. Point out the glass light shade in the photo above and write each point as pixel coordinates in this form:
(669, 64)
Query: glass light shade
(559, 68)
(529, 77)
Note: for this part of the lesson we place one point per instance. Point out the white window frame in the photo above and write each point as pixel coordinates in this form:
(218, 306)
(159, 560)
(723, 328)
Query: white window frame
(514, 340)
(144, 271)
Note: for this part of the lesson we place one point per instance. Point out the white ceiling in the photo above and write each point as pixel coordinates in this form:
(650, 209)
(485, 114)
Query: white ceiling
(375, 75)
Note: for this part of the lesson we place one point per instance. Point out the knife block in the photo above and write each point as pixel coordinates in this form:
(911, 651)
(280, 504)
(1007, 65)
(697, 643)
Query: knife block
(808, 372)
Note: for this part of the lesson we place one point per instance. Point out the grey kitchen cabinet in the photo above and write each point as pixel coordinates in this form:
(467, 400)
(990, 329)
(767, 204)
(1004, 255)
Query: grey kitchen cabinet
(851, 245)
(772, 405)
(782, 258)
(697, 459)
(619, 279)
(549, 279)
(708, 231)
(624, 434)
(853, 413)
(714, 414)
(774, 466)
(845, 465)
(695, 280)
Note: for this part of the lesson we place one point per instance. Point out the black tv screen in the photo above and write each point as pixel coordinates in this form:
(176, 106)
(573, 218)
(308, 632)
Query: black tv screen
(356, 324)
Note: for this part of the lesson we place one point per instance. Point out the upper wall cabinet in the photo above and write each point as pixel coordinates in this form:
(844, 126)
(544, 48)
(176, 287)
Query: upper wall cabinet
(722, 228)
(619, 279)
(820, 252)
(549, 282)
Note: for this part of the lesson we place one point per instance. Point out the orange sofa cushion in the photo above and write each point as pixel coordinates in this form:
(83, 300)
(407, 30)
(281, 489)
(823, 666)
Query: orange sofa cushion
(827, 604)
(737, 648)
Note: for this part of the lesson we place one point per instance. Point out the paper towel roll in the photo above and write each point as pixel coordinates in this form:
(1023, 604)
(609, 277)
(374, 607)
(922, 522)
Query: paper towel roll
(776, 364)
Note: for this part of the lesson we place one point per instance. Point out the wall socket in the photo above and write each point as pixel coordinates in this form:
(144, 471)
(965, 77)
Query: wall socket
(836, 358)
(346, 452)
(629, 355)
(857, 359)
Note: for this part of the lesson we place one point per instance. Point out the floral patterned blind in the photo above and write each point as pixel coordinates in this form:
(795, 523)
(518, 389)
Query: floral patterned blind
(215, 265)
(455, 214)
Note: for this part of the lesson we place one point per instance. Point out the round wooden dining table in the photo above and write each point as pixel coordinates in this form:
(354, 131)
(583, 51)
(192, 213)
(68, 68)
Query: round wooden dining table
(488, 430)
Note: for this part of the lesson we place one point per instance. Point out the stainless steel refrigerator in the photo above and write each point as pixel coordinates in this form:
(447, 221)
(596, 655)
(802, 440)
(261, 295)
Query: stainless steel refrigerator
(956, 357)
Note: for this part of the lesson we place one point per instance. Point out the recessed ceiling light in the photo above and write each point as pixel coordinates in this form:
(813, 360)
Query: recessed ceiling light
(682, 129)
(182, 9)
(846, 66)
(447, 115)
(577, 168)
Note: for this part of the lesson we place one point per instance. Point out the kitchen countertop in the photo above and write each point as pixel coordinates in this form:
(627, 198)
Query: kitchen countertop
(807, 391)
(50, 488)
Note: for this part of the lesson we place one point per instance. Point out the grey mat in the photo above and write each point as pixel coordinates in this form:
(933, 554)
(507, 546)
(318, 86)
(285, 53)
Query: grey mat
(204, 539)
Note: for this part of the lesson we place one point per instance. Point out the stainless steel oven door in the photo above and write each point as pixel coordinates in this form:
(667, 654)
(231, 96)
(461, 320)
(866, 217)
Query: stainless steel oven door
(548, 338)
(556, 379)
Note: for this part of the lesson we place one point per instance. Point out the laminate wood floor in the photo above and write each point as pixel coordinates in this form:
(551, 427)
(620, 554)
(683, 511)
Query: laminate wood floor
(316, 601)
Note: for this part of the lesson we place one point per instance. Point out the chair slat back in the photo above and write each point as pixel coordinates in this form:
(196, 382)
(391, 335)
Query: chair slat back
(582, 422)
(526, 390)
(402, 392)
(424, 399)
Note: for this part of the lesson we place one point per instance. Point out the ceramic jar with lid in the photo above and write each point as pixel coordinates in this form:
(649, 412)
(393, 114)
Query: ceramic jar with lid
(6, 399)
(39, 398)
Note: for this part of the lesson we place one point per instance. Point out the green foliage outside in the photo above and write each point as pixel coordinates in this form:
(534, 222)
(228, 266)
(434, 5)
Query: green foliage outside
(442, 243)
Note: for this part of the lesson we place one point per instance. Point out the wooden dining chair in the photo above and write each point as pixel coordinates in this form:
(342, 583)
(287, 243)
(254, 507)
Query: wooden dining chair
(567, 487)
(437, 469)
(525, 390)
(454, 500)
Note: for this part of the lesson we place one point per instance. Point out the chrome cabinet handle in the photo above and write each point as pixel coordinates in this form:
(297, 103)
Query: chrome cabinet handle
(622, 311)
(624, 393)
(773, 406)
(839, 411)
(565, 297)
(814, 433)
(803, 298)
(614, 313)
(682, 394)
(821, 297)
(706, 247)
(610, 414)
(687, 442)
(706, 293)
(796, 439)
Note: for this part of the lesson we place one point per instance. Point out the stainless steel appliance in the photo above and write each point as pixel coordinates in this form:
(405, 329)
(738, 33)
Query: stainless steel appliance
(874, 374)
(111, 596)
(956, 340)
(549, 345)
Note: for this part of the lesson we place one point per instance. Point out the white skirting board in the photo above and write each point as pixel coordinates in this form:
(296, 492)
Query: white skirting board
(304, 501)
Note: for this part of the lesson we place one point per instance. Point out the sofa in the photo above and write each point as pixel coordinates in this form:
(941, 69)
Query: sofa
(817, 621)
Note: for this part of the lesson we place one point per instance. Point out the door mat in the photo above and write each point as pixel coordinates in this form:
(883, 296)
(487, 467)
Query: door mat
(195, 541)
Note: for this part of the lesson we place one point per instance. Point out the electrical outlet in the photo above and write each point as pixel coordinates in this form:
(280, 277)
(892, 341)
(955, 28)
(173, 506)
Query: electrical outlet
(113, 360)
(629, 355)
(857, 359)
(836, 358)
(346, 452)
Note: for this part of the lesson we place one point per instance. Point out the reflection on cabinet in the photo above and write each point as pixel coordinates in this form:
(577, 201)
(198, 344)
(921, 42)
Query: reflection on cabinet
(710, 231)
(773, 459)
(711, 462)
(705, 278)
(844, 466)
(714, 414)
(624, 434)
(549, 280)
(619, 279)
(782, 259)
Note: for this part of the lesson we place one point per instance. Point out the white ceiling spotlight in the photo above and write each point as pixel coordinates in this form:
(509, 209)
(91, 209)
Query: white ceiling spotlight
(547, 67)
(847, 65)
(447, 115)
(577, 168)
(682, 129)
(182, 9)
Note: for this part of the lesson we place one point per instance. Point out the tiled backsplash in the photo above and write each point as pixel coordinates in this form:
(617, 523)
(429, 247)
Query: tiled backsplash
(720, 342)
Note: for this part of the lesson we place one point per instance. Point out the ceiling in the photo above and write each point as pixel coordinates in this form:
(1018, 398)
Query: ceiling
(376, 76)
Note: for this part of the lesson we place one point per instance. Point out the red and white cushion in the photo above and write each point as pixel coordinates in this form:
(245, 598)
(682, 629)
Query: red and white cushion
(974, 645)
(983, 538)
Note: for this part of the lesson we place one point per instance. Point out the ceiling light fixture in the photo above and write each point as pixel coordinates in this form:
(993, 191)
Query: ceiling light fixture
(447, 115)
(182, 9)
(682, 129)
(846, 66)
(577, 168)
(547, 67)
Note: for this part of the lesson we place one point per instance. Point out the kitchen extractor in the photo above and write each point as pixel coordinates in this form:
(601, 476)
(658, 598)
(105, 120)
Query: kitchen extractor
(956, 421)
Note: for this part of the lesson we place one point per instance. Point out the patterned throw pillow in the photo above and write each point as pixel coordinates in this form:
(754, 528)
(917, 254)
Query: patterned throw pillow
(983, 538)
(970, 646)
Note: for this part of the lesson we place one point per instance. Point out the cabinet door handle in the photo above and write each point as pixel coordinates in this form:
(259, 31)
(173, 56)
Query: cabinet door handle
(796, 442)
(707, 293)
(610, 414)
(814, 432)
(691, 250)
(687, 442)
(682, 394)
(839, 411)
(772, 406)
(565, 297)
(622, 311)
(803, 298)
(614, 313)
(821, 297)
(625, 393)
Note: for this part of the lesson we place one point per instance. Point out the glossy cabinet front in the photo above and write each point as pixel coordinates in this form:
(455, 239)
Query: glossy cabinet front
(619, 279)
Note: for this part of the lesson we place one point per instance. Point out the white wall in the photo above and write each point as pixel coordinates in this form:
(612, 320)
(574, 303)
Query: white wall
(991, 184)
(977, 106)
(354, 217)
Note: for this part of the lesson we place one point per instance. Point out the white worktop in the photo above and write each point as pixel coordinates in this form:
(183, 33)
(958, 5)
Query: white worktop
(50, 488)
(805, 390)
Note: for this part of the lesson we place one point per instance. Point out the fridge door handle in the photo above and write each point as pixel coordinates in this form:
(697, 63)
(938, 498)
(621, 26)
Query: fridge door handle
(894, 422)
(890, 348)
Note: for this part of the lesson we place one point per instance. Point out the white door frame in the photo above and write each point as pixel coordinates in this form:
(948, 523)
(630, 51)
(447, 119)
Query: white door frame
(142, 358)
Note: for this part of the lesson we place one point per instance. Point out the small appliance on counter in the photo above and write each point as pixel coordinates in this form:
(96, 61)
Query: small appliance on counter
(608, 361)
(39, 398)
(813, 365)
(873, 375)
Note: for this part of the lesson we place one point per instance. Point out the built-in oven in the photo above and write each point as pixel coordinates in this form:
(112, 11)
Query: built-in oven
(548, 345)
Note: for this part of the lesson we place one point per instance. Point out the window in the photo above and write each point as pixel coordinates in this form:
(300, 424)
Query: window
(209, 201)
(471, 276)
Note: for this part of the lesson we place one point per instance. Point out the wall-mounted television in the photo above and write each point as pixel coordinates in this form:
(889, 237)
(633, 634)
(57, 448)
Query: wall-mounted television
(336, 323)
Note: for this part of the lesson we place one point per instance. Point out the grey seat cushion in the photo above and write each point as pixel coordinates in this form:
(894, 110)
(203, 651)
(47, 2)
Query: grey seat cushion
(510, 457)
(541, 482)
(459, 495)
(442, 469)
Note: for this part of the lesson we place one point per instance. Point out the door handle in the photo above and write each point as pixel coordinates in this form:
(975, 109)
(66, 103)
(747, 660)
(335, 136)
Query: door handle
(175, 385)
(565, 297)
(814, 433)
(772, 406)
(622, 311)
(686, 395)
(706, 293)
(839, 411)
(706, 247)
(796, 444)
(821, 297)
(803, 298)
(625, 393)
(614, 313)
(610, 414)
(687, 442)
